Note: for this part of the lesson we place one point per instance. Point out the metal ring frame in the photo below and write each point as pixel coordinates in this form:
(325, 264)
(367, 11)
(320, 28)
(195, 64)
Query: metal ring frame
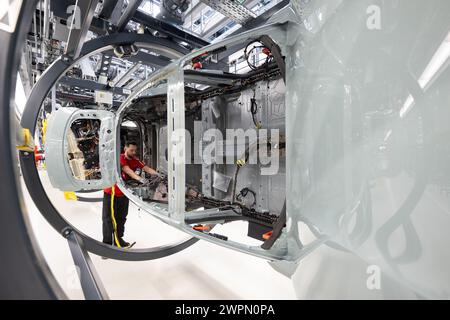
(25, 274)
(29, 120)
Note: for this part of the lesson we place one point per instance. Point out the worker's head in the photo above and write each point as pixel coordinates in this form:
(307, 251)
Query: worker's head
(130, 149)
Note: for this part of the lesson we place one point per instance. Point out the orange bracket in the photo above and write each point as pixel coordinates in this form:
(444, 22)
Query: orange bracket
(267, 235)
(202, 227)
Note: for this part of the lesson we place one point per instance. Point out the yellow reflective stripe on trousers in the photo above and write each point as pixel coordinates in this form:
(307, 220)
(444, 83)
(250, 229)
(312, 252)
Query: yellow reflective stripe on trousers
(114, 223)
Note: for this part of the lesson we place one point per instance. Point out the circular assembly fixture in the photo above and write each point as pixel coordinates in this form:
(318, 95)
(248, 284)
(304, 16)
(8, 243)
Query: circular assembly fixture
(25, 274)
(30, 116)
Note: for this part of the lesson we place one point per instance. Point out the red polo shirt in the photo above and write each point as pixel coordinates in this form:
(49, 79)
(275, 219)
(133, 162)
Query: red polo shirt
(133, 164)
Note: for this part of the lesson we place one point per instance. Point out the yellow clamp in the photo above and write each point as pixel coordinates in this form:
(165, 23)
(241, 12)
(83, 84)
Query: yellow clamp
(241, 162)
(69, 195)
(26, 142)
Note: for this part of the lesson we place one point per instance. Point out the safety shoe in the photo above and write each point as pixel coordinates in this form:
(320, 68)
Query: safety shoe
(123, 243)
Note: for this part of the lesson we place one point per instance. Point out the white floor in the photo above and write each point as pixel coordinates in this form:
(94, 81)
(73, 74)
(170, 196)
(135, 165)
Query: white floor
(203, 271)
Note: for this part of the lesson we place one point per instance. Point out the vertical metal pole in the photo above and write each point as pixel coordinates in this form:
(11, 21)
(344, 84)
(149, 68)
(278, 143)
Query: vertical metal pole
(53, 99)
(46, 19)
(41, 23)
(176, 144)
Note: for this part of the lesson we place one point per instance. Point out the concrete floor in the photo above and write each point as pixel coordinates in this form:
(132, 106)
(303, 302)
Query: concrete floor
(203, 271)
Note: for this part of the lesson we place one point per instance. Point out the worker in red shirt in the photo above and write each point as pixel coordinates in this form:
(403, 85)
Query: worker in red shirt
(115, 203)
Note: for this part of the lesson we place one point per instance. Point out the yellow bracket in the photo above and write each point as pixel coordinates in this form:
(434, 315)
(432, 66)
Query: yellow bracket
(70, 195)
(25, 142)
(241, 162)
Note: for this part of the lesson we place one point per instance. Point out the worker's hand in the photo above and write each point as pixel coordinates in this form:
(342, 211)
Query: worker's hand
(155, 177)
(143, 181)
(191, 193)
(161, 175)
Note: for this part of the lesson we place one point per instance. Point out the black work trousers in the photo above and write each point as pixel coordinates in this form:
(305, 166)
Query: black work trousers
(120, 216)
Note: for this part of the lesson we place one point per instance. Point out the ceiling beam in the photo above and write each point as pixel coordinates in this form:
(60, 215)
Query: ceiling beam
(257, 22)
(232, 10)
(122, 79)
(168, 29)
(129, 12)
(108, 8)
(79, 29)
(263, 18)
(194, 14)
(90, 85)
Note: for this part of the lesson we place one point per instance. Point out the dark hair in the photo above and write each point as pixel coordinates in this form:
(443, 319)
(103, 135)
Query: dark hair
(131, 142)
